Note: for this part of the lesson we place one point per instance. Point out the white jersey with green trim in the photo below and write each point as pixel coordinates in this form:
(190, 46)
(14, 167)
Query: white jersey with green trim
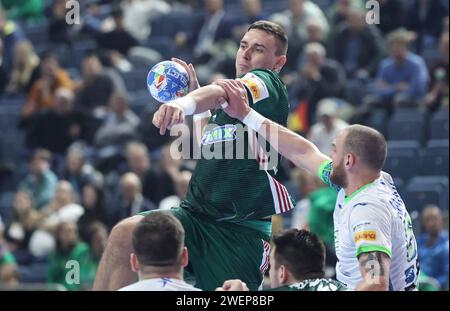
(374, 218)
(160, 284)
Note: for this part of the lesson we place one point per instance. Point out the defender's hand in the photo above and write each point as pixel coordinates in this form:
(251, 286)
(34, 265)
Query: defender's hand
(238, 107)
(168, 115)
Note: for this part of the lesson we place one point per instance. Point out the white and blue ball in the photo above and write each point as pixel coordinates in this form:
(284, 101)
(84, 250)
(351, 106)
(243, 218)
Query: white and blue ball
(167, 81)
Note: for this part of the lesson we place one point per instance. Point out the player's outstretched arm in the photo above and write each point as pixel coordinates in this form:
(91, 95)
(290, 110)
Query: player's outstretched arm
(200, 120)
(297, 149)
(200, 100)
(374, 267)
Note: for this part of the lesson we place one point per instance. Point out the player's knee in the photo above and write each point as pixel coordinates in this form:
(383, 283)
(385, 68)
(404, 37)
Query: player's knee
(122, 232)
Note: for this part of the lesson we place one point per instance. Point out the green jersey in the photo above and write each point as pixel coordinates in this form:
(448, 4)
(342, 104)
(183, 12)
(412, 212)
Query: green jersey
(231, 188)
(314, 285)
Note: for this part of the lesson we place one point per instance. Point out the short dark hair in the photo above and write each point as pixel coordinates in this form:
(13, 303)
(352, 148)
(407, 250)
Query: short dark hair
(301, 252)
(274, 29)
(158, 240)
(368, 144)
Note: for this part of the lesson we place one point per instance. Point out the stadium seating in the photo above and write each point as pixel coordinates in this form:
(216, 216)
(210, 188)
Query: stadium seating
(6, 201)
(407, 123)
(423, 190)
(402, 159)
(439, 125)
(435, 158)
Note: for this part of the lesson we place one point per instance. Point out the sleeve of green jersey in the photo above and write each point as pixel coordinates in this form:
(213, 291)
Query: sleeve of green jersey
(267, 94)
(324, 173)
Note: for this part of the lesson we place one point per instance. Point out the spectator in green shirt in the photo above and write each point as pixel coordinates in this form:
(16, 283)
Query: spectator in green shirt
(71, 262)
(9, 273)
(28, 10)
(317, 209)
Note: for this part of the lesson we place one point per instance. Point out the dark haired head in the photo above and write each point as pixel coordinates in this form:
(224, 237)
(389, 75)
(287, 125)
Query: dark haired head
(158, 240)
(301, 252)
(276, 30)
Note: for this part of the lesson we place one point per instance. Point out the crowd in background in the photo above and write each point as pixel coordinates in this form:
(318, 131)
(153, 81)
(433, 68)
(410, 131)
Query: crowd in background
(83, 153)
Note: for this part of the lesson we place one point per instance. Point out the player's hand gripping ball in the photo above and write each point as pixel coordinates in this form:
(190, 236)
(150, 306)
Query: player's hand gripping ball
(167, 81)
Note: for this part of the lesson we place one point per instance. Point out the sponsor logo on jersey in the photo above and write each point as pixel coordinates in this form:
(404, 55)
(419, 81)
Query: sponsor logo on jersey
(369, 235)
(219, 134)
(256, 86)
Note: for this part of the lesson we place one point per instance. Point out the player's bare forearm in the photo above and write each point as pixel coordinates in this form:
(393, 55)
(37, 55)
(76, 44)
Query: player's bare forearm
(198, 101)
(208, 97)
(297, 149)
(374, 267)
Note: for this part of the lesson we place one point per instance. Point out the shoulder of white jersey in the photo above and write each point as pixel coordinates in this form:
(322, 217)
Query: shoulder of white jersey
(256, 86)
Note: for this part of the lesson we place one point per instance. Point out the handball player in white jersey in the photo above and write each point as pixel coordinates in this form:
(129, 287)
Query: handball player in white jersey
(375, 243)
(159, 255)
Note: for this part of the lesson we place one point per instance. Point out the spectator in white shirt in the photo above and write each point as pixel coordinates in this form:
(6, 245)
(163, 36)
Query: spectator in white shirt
(329, 124)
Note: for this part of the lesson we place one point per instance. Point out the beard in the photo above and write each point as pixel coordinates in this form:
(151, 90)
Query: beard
(338, 176)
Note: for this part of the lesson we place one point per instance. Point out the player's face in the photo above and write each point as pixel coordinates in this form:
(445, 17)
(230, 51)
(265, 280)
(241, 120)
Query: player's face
(339, 175)
(258, 49)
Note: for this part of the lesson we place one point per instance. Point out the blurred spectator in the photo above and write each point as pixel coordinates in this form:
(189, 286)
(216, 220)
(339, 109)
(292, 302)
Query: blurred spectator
(138, 15)
(119, 128)
(323, 133)
(57, 128)
(95, 18)
(315, 211)
(25, 220)
(253, 12)
(10, 33)
(78, 171)
(3, 73)
(97, 86)
(25, 70)
(9, 276)
(97, 239)
(119, 39)
(93, 201)
(318, 78)
(69, 247)
(392, 15)
(433, 246)
(24, 10)
(157, 184)
(425, 18)
(337, 13)
(357, 46)
(402, 77)
(62, 208)
(295, 21)
(59, 31)
(130, 201)
(439, 86)
(41, 181)
(181, 188)
(214, 26)
(42, 93)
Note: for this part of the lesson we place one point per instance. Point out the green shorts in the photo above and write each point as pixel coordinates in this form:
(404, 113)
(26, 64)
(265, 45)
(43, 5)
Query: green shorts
(220, 251)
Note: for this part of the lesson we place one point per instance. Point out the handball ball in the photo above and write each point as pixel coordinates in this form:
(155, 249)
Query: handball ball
(167, 81)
